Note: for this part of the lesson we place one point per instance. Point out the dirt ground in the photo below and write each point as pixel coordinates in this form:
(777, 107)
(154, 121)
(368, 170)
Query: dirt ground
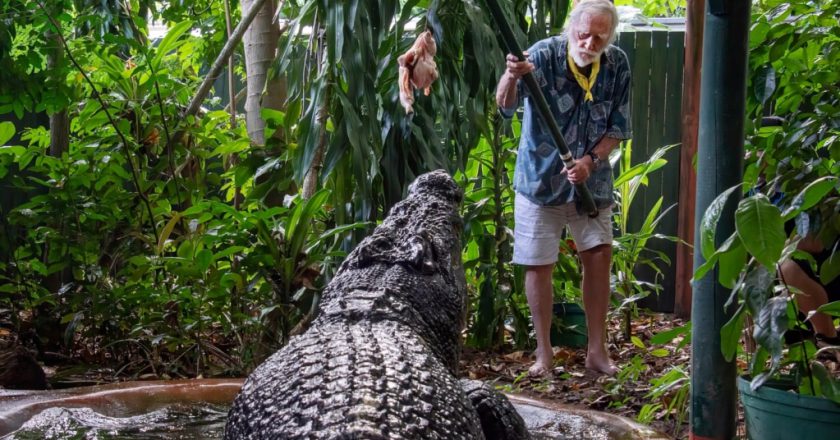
(640, 360)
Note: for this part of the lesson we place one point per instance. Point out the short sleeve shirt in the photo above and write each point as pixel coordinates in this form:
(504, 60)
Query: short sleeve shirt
(538, 173)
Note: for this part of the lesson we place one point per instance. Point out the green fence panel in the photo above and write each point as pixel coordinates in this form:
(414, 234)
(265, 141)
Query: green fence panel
(656, 60)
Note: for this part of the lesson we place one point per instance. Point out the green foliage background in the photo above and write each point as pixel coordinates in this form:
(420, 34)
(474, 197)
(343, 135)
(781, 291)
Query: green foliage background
(173, 246)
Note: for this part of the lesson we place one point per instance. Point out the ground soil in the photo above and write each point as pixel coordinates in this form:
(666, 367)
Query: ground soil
(571, 383)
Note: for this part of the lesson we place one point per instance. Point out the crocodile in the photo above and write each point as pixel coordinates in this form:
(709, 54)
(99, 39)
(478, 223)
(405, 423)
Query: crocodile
(380, 360)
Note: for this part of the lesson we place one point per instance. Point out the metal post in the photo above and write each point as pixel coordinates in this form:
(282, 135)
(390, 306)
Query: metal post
(719, 166)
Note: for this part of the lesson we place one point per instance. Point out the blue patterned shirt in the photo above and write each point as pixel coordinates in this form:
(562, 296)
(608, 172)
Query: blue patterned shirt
(537, 175)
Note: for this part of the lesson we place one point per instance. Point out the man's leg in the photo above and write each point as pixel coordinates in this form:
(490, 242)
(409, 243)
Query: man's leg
(538, 290)
(596, 301)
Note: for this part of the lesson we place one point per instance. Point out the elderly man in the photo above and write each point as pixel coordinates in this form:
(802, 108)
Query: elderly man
(586, 82)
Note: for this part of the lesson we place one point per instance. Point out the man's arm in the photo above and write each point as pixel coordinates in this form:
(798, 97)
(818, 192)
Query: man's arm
(506, 96)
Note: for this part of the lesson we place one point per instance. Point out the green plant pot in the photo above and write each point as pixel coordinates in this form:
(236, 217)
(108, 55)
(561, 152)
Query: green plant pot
(572, 331)
(772, 413)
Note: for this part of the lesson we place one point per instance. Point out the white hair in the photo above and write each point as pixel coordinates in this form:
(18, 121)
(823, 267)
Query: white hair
(595, 7)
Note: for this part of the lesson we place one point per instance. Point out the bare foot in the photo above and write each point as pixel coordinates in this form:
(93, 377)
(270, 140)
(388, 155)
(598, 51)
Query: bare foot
(601, 364)
(542, 366)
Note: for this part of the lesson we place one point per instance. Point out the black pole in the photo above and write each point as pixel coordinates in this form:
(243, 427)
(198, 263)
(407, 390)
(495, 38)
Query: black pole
(542, 106)
(720, 152)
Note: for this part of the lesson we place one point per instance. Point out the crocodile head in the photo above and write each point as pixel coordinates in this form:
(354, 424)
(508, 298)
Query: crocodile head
(409, 269)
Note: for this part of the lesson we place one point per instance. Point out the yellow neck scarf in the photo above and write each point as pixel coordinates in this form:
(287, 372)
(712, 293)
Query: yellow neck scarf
(585, 83)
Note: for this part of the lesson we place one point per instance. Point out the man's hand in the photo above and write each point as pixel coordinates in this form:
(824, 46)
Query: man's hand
(581, 171)
(517, 69)
(506, 90)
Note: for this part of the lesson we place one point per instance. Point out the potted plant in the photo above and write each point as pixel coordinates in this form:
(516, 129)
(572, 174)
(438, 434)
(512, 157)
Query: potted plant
(568, 325)
(790, 191)
(748, 263)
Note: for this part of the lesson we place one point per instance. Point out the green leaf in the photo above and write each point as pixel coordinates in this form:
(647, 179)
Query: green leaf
(708, 226)
(171, 41)
(810, 196)
(757, 288)
(7, 131)
(731, 264)
(167, 230)
(659, 352)
(832, 308)
(765, 83)
(299, 223)
(828, 385)
(830, 268)
(667, 336)
(727, 246)
(637, 342)
(275, 116)
(14, 150)
(230, 250)
(730, 334)
(204, 259)
(761, 229)
(770, 327)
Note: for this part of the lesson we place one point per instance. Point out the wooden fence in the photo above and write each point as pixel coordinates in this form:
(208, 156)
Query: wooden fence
(656, 60)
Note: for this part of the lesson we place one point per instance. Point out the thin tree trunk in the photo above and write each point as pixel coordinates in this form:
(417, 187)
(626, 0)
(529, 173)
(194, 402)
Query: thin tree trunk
(221, 60)
(59, 122)
(59, 138)
(260, 51)
(310, 181)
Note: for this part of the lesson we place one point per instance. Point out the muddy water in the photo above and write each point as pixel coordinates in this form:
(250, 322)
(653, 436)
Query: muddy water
(195, 421)
(197, 409)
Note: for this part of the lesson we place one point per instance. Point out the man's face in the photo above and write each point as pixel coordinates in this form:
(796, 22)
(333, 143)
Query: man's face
(589, 37)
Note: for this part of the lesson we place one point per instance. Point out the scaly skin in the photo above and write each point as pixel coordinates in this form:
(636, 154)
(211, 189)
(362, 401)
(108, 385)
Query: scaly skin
(379, 361)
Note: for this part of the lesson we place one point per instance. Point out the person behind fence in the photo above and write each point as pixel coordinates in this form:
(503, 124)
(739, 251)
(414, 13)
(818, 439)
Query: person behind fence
(586, 81)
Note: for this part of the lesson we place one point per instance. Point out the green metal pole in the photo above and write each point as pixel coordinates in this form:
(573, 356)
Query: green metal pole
(720, 155)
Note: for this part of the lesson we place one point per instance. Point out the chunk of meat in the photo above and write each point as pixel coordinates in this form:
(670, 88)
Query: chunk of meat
(417, 69)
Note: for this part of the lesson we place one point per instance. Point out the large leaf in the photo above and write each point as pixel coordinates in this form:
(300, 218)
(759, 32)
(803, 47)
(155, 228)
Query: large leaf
(730, 334)
(765, 83)
(757, 288)
(727, 246)
(299, 225)
(770, 327)
(832, 308)
(7, 130)
(731, 264)
(171, 41)
(708, 226)
(761, 228)
(830, 268)
(829, 387)
(810, 196)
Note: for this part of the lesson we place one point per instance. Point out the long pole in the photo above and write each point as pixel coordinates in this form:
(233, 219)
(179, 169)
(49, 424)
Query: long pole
(542, 106)
(719, 166)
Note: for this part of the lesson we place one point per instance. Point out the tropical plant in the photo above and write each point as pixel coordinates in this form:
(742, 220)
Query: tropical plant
(630, 250)
(668, 395)
(792, 48)
(488, 207)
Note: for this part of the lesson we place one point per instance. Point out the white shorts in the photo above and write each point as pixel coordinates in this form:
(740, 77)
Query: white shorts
(538, 230)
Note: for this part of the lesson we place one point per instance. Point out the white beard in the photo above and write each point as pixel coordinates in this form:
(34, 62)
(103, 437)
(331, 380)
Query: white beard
(576, 53)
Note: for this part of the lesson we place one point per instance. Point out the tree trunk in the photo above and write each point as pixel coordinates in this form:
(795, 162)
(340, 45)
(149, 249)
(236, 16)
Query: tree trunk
(59, 137)
(310, 182)
(59, 123)
(260, 50)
